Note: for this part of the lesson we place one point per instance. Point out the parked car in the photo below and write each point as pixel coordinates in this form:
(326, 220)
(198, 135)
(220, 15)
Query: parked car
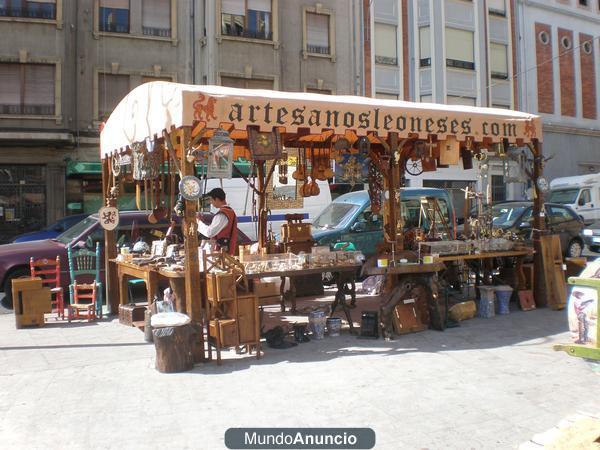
(349, 218)
(591, 236)
(516, 216)
(51, 231)
(14, 258)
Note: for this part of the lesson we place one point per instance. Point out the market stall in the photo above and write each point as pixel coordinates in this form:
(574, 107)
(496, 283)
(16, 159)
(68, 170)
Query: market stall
(170, 132)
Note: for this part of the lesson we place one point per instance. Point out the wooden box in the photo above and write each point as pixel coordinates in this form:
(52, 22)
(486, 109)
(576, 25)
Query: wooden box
(265, 301)
(31, 305)
(295, 232)
(227, 330)
(265, 288)
(248, 319)
(406, 319)
(131, 312)
(220, 286)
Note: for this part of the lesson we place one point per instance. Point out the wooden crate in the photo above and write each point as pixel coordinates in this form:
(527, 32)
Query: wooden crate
(30, 305)
(131, 313)
(227, 329)
(220, 286)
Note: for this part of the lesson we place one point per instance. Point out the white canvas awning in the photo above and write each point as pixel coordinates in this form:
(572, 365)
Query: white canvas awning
(153, 107)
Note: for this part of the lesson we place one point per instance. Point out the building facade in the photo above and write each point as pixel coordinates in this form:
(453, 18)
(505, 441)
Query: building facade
(558, 79)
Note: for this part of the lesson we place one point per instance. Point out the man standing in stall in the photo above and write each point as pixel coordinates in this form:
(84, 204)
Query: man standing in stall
(223, 227)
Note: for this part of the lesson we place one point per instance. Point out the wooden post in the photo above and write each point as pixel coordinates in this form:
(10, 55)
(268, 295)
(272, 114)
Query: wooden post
(181, 139)
(395, 206)
(110, 246)
(539, 226)
(262, 218)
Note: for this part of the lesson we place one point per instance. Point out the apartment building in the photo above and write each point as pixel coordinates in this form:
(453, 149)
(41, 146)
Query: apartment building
(557, 58)
(457, 52)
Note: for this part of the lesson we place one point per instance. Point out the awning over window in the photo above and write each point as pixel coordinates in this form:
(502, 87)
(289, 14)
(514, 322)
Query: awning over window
(153, 107)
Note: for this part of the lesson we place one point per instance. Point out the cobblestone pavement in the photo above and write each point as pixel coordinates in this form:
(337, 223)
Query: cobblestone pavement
(491, 383)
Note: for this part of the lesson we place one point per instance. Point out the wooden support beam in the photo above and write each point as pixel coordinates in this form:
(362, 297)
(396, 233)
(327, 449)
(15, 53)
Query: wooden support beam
(539, 223)
(194, 302)
(110, 245)
(262, 217)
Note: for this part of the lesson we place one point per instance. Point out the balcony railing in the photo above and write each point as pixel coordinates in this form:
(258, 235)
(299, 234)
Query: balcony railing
(251, 34)
(27, 110)
(468, 65)
(425, 62)
(160, 32)
(386, 60)
(499, 75)
(112, 27)
(318, 49)
(48, 11)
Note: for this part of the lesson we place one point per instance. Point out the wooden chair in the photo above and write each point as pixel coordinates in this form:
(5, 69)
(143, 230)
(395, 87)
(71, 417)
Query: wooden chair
(86, 263)
(83, 301)
(49, 271)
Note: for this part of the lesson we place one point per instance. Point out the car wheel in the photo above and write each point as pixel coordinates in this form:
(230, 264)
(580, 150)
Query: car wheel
(17, 273)
(574, 249)
(595, 248)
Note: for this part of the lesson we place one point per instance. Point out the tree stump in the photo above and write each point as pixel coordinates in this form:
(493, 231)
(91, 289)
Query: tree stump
(174, 348)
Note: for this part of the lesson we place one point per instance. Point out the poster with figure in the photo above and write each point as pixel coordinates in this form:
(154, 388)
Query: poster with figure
(583, 315)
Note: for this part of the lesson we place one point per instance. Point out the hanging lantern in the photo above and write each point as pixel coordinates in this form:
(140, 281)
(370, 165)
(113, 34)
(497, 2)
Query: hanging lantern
(220, 155)
(364, 145)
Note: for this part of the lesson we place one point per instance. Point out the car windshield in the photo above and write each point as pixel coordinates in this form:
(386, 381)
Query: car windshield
(76, 230)
(335, 215)
(505, 216)
(564, 196)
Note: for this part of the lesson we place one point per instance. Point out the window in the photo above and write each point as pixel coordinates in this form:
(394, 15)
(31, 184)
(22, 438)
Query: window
(317, 33)
(246, 18)
(424, 47)
(114, 16)
(585, 197)
(587, 47)
(499, 60)
(426, 99)
(245, 83)
(386, 96)
(156, 18)
(318, 91)
(460, 100)
(27, 89)
(111, 90)
(498, 188)
(150, 79)
(40, 9)
(497, 7)
(565, 42)
(544, 37)
(385, 44)
(459, 49)
(583, 2)
(558, 215)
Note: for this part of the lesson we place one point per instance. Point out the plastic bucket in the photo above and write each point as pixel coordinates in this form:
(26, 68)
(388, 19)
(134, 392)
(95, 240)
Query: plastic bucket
(316, 323)
(503, 295)
(334, 326)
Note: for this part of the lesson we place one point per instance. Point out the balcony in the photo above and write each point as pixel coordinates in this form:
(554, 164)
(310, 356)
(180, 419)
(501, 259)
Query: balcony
(386, 60)
(250, 34)
(467, 65)
(159, 32)
(47, 11)
(27, 110)
(108, 27)
(318, 49)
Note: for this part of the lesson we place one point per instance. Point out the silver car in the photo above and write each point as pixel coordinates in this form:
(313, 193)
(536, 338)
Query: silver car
(591, 236)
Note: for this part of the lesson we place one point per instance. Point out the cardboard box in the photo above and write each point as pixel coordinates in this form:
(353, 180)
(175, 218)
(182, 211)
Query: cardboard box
(265, 288)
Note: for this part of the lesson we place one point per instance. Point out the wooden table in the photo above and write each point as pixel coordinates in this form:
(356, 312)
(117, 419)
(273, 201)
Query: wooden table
(345, 277)
(127, 270)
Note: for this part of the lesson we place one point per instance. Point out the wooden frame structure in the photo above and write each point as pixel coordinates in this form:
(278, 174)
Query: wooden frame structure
(185, 117)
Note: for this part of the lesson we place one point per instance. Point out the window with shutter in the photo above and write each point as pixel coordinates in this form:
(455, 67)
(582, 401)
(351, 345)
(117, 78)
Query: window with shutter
(27, 89)
(459, 49)
(386, 96)
(456, 100)
(246, 18)
(39, 9)
(425, 47)
(317, 33)
(499, 61)
(244, 83)
(497, 7)
(111, 90)
(114, 16)
(150, 79)
(156, 18)
(385, 44)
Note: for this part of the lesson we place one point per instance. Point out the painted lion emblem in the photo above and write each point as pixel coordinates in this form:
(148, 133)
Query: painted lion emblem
(204, 107)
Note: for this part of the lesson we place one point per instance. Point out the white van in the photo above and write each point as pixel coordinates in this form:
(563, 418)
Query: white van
(240, 198)
(582, 193)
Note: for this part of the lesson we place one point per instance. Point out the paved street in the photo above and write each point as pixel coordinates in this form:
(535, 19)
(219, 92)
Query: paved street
(488, 384)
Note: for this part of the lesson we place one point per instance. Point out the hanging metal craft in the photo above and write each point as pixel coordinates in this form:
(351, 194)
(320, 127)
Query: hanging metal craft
(283, 168)
(108, 217)
(220, 155)
(375, 188)
(364, 145)
(146, 165)
(264, 145)
(190, 187)
(414, 167)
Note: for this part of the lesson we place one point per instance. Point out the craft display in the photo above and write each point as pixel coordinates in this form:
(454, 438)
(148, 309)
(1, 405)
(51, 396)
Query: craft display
(375, 188)
(264, 145)
(190, 188)
(220, 155)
